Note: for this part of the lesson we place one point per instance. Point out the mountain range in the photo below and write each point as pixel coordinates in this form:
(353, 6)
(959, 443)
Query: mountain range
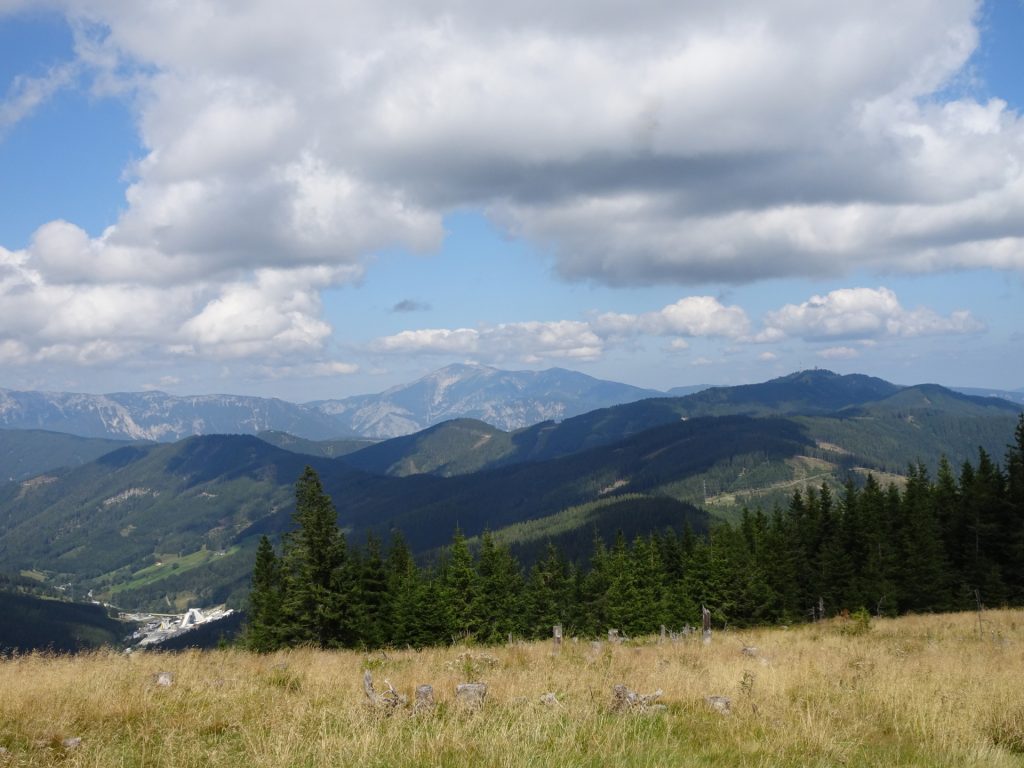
(150, 524)
(507, 399)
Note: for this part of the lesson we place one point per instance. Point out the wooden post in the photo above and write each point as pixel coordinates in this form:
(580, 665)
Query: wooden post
(977, 598)
(664, 632)
(705, 616)
(556, 636)
(821, 609)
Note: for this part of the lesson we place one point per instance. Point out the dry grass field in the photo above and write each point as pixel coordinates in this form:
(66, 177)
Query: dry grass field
(916, 691)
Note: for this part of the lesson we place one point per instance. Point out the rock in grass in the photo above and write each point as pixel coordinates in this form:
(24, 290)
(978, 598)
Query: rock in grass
(164, 679)
(72, 743)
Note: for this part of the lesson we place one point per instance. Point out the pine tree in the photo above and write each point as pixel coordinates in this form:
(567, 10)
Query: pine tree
(460, 586)
(545, 598)
(372, 619)
(314, 555)
(263, 633)
(1013, 533)
(923, 568)
(498, 607)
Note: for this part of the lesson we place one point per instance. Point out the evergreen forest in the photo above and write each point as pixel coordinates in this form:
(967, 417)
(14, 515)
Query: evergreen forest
(948, 542)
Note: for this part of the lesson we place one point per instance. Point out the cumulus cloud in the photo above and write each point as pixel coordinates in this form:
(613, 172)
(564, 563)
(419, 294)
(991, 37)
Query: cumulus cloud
(271, 313)
(527, 342)
(662, 142)
(859, 315)
(690, 316)
(864, 313)
(639, 143)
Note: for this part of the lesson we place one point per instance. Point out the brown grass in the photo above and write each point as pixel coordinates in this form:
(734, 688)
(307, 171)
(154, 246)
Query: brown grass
(916, 691)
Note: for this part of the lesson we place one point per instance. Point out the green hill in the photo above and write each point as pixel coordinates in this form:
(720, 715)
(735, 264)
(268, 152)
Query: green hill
(454, 447)
(325, 448)
(37, 623)
(151, 525)
(25, 453)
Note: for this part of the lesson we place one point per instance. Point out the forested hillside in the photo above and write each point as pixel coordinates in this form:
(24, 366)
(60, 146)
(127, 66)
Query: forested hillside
(152, 525)
(938, 544)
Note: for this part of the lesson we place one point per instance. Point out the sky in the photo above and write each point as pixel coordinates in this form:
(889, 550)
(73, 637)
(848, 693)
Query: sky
(317, 199)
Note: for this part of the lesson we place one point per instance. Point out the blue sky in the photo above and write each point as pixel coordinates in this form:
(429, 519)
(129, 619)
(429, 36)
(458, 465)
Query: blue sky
(201, 199)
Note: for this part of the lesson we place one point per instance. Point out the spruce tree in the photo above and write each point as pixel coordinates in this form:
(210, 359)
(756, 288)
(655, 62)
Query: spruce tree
(1014, 514)
(263, 633)
(315, 599)
(460, 586)
(498, 608)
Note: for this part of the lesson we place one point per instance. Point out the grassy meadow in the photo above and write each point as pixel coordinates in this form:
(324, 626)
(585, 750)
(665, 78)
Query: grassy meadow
(915, 691)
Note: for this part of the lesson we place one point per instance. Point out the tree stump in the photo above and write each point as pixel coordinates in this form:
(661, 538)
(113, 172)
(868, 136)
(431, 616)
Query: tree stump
(389, 698)
(424, 698)
(625, 700)
(721, 704)
(471, 695)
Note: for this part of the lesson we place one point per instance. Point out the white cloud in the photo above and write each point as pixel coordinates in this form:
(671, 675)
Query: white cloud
(527, 342)
(662, 143)
(644, 143)
(864, 313)
(839, 353)
(431, 341)
(689, 317)
(26, 94)
(320, 369)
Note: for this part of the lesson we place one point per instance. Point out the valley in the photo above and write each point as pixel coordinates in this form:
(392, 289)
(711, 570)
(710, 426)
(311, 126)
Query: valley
(148, 525)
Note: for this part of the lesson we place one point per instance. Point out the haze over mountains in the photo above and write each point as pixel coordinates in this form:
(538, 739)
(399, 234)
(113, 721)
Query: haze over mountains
(155, 523)
(507, 399)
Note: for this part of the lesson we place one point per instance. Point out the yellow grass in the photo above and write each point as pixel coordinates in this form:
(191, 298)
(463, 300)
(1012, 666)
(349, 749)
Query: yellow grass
(917, 691)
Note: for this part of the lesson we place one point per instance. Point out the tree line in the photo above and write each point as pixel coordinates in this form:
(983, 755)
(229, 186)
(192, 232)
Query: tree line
(932, 545)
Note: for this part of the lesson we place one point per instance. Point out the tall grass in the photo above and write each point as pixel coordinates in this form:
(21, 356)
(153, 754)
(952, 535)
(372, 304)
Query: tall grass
(916, 691)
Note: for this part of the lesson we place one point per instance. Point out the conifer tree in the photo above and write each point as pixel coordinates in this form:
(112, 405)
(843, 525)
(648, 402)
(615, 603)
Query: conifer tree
(1014, 515)
(923, 570)
(460, 586)
(372, 619)
(498, 607)
(314, 556)
(263, 633)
